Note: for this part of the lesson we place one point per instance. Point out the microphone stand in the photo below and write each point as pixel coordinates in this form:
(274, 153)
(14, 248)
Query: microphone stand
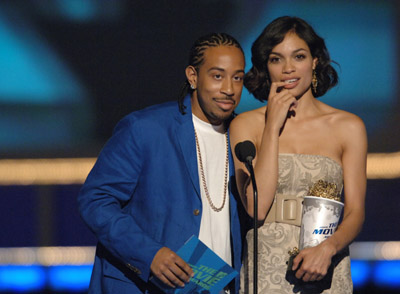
(249, 166)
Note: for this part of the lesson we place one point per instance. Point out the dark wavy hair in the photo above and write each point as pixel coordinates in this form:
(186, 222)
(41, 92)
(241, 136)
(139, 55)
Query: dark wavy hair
(196, 57)
(257, 80)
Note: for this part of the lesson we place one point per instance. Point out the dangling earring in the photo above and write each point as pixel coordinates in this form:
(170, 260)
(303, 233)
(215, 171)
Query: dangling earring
(314, 81)
(192, 87)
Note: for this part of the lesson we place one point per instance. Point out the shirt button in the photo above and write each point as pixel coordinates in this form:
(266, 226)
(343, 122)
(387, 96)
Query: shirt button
(196, 212)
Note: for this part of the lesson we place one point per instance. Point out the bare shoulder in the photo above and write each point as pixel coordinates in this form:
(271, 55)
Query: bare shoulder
(347, 120)
(248, 124)
(344, 124)
(250, 118)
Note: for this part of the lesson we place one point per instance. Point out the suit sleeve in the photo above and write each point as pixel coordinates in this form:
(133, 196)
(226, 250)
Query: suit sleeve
(108, 188)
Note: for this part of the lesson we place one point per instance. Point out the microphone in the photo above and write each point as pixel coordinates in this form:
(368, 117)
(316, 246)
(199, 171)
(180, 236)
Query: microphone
(245, 151)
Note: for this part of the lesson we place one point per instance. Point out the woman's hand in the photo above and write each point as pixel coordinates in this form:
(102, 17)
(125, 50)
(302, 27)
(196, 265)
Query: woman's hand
(279, 104)
(315, 262)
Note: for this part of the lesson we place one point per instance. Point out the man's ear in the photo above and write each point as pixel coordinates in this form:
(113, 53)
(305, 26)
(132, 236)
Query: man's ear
(191, 75)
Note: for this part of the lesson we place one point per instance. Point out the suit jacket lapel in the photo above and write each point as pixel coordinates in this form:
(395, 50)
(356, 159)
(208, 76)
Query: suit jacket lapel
(232, 179)
(186, 139)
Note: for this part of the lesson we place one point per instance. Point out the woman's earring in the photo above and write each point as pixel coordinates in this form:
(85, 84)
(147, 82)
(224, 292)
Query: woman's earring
(314, 81)
(192, 87)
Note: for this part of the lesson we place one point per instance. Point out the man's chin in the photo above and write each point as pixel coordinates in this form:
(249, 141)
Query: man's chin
(220, 118)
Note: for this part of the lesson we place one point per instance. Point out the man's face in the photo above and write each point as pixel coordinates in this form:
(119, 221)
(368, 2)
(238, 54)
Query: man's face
(218, 83)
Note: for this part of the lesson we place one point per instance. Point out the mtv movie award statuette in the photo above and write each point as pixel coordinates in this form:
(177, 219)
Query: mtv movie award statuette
(321, 214)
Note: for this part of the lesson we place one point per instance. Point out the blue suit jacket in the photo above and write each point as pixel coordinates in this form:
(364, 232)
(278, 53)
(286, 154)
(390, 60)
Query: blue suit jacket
(143, 194)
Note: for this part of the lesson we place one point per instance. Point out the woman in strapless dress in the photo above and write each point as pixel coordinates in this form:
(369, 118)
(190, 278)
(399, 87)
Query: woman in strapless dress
(299, 141)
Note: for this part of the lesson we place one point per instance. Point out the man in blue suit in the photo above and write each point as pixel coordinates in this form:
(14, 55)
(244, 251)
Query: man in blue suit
(164, 176)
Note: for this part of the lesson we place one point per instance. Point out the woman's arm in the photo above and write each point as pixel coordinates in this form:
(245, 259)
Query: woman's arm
(263, 129)
(354, 162)
(316, 260)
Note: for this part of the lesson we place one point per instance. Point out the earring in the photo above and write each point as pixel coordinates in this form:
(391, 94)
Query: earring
(314, 81)
(192, 87)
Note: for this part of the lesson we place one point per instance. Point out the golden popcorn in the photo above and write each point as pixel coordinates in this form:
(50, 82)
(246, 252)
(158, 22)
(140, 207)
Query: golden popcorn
(294, 251)
(324, 189)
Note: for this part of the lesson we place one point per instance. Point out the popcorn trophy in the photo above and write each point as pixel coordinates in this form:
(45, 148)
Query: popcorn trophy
(321, 213)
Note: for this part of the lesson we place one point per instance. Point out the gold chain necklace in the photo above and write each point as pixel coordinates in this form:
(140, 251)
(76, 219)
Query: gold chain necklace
(203, 178)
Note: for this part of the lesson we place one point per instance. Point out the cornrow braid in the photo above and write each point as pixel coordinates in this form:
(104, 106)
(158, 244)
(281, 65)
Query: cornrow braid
(196, 57)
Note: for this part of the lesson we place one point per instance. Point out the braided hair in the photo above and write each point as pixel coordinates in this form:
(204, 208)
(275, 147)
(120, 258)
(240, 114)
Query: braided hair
(196, 57)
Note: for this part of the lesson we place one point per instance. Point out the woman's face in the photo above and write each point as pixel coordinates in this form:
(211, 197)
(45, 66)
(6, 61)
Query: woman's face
(291, 62)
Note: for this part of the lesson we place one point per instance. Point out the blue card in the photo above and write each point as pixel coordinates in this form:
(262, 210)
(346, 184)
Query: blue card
(211, 273)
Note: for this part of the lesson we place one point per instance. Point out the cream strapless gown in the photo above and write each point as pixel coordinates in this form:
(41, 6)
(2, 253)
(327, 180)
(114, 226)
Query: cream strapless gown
(297, 173)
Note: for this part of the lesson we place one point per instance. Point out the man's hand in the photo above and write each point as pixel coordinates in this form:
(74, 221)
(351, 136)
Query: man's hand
(170, 268)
